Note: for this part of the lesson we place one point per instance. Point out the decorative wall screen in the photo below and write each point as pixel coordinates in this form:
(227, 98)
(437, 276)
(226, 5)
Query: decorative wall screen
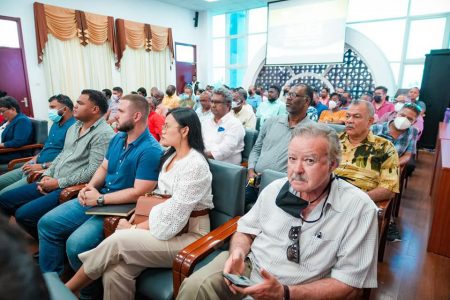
(352, 75)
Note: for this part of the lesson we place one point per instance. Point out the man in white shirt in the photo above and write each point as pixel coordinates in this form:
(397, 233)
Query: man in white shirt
(309, 236)
(243, 111)
(204, 111)
(223, 134)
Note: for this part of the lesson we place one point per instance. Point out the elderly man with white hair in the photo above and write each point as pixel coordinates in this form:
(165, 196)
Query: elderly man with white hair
(309, 236)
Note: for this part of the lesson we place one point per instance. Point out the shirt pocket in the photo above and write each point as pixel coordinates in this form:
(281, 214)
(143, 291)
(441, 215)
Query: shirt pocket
(318, 254)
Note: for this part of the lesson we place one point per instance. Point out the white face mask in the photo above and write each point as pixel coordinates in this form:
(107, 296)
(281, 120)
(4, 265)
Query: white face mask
(115, 97)
(235, 104)
(332, 104)
(402, 123)
(399, 106)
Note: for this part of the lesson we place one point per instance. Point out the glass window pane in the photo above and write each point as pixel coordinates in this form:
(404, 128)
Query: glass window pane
(412, 76)
(255, 43)
(387, 35)
(237, 51)
(9, 36)
(218, 52)
(236, 77)
(425, 35)
(185, 53)
(257, 20)
(363, 10)
(396, 71)
(218, 25)
(421, 7)
(218, 76)
(237, 22)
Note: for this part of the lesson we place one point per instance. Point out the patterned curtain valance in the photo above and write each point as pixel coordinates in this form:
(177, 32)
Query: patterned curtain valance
(65, 24)
(139, 35)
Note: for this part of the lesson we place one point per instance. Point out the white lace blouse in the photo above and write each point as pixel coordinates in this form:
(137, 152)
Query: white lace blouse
(189, 183)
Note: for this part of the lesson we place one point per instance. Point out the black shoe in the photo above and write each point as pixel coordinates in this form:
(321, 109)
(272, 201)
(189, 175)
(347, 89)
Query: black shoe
(393, 235)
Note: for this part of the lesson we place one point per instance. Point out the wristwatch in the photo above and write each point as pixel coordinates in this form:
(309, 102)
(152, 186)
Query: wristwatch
(44, 166)
(101, 200)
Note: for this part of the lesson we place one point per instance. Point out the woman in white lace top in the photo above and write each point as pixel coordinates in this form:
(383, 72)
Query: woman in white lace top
(184, 175)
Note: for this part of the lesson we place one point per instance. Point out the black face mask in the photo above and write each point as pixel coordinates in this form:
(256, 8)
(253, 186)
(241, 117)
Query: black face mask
(344, 100)
(377, 99)
(290, 203)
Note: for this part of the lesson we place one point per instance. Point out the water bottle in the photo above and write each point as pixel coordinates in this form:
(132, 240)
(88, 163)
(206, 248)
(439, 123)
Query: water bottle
(447, 116)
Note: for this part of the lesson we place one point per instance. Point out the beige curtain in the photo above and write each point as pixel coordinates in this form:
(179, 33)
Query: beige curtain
(146, 69)
(70, 68)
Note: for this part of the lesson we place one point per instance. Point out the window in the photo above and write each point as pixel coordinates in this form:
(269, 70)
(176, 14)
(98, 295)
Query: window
(257, 20)
(185, 53)
(364, 10)
(237, 51)
(10, 36)
(218, 52)
(218, 25)
(255, 43)
(425, 35)
(237, 22)
(412, 76)
(421, 7)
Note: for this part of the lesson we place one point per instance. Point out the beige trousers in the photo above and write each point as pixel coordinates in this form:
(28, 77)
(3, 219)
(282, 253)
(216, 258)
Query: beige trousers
(125, 254)
(208, 283)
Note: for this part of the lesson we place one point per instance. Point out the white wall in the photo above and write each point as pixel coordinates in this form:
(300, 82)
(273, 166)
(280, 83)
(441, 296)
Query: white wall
(145, 11)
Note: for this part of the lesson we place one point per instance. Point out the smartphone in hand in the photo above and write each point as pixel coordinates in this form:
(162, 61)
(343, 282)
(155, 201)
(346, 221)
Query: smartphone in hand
(238, 280)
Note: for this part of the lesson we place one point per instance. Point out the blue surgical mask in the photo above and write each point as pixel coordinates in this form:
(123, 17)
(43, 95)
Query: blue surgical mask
(54, 116)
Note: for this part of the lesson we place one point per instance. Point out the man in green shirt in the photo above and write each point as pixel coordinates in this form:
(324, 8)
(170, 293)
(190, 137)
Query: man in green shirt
(273, 107)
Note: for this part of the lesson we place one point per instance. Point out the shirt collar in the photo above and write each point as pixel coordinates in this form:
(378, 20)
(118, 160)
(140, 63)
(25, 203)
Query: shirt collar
(224, 118)
(100, 120)
(144, 135)
(370, 138)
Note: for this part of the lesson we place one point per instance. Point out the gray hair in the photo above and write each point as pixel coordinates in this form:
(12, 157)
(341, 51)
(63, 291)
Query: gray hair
(321, 130)
(225, 93)
(368, 105)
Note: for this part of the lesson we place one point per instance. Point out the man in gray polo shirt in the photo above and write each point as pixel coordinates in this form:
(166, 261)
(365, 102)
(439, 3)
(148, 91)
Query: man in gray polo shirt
(84, 148)
(270, 149)
(309, 236)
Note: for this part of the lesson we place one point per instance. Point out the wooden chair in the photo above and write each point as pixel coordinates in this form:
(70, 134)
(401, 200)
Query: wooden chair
(249, 141)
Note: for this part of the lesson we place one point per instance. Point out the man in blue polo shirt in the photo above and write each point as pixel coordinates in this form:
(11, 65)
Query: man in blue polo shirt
(130, 169)
(61, 114)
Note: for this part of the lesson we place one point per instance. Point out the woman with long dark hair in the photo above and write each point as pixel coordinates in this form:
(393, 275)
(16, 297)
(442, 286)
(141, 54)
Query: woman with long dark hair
(186, 177)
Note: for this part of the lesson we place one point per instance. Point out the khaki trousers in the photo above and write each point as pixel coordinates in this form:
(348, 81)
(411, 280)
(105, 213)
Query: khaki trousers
(208, 282)
(125, 254)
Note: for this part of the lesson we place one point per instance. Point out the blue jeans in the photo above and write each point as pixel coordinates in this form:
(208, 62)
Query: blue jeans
(67, 222)
(28, 205)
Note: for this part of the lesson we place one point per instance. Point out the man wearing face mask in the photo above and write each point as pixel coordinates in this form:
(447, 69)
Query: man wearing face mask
(253, 99)
(381, 105)
(243, 111)
(334, 115)
(110, 116)
(401, 132)
(61, 114)
(272, 107)
(346, 99)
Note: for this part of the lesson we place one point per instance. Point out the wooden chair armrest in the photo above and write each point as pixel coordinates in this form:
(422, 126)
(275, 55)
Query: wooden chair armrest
(26, 147)
(110, 224)
(186, 260)
(70, 192)
(35, 175)
(16, 161)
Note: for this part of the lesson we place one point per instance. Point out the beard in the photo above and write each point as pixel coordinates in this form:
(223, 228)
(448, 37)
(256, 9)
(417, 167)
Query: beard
(126, 126)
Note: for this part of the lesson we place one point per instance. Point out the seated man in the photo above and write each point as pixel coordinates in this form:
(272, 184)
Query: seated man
(270, 149)
(61, 114)
(272, 107)
(333, 114)
(368, 161)
(223, 134)
(171, 100)
(113, 105)
(309, 236)
(204, 110)
(401, 132)
(243, 111)
(129, 170)
(413, 95)
(380, 102)
(15, 131)
(84, 147)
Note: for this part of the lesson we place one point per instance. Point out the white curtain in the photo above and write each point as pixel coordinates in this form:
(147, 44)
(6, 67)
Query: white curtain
(70, 67)
(147, 69)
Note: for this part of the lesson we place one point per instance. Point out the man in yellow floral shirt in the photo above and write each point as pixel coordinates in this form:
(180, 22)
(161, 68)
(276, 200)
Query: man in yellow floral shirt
(368, 161)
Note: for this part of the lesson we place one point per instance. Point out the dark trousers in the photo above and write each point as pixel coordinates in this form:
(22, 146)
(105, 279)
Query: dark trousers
(28, 205)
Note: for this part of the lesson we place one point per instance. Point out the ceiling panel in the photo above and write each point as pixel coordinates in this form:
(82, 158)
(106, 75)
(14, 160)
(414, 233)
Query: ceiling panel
(219, 6)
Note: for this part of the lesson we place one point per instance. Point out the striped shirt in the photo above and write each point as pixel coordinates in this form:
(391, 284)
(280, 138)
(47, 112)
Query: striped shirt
(342, 244)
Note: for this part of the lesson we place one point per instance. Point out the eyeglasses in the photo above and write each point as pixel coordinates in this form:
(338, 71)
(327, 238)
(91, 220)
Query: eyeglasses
(293, 251)
(294, 95)
(217, 102)
(3, 111)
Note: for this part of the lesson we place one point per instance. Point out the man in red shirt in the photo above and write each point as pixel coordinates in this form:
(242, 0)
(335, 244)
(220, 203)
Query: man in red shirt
(380, 104)
(155, 121)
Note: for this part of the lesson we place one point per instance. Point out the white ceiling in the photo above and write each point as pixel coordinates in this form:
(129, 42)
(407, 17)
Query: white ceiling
(219, 6)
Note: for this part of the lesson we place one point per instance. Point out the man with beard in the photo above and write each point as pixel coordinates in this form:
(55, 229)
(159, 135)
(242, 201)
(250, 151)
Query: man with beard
(129, 170)
(273, 107)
